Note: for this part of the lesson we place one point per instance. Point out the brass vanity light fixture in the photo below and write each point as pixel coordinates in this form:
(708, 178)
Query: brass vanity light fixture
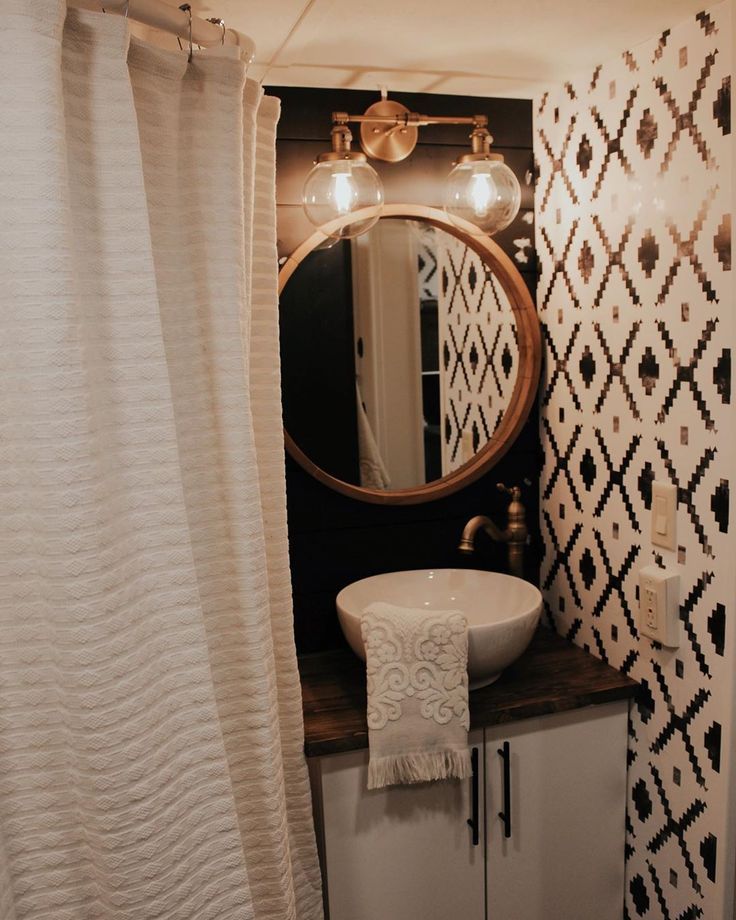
(480, 190)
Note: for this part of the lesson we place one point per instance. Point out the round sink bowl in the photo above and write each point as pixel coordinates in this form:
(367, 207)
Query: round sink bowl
(502, 611)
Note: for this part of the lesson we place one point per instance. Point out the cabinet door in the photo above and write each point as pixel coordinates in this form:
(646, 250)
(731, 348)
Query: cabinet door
(401, 853)
(566, 793)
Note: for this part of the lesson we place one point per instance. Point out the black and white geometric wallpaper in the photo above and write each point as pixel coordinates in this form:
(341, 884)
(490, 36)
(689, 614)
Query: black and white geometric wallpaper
(633, 219)
(427, 268)
(479, 351)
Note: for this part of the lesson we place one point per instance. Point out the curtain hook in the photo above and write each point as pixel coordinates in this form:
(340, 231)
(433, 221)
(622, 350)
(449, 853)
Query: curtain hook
(186, 8)
(221, 23)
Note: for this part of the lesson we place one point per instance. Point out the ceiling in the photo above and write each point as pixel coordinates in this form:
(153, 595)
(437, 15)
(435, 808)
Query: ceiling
(479, 47)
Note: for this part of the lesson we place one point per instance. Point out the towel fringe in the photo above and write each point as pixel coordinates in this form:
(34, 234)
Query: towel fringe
(419, 767)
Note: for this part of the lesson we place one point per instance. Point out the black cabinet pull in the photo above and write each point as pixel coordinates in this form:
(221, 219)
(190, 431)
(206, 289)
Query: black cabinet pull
(473, 820)
(505, 815)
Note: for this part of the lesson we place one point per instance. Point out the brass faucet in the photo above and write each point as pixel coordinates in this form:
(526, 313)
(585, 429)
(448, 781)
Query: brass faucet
(515, 534)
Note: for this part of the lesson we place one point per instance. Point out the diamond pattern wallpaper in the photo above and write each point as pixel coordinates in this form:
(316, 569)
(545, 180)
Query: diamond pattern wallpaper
(479, 351)
(635, 295)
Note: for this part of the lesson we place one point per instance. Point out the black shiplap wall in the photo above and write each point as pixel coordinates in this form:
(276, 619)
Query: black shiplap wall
(335, 540)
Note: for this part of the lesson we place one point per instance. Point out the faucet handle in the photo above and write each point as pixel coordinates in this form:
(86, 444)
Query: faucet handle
(514, 491)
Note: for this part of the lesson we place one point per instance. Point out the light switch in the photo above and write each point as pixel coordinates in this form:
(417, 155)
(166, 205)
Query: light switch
(664, 515)
(659, 605)
(660, 516)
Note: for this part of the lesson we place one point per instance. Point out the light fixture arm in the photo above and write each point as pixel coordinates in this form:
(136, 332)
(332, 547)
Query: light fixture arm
(389, 131)
(411, 119)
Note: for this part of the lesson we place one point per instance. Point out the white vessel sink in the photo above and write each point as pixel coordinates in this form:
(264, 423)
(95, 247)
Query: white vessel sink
(502, 611)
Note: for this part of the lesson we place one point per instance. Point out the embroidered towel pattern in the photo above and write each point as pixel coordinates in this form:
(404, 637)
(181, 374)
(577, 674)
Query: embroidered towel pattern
(418, 718)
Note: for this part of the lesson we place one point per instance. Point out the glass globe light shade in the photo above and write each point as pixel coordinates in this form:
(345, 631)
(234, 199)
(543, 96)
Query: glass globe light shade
(485, 193)
(337, 188)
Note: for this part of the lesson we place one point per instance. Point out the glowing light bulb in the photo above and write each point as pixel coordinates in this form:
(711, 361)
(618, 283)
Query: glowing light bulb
(335, 190)
(343, 192)
(482, 194)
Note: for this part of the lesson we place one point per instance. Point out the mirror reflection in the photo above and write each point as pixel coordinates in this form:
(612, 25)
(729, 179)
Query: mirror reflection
(399, 355)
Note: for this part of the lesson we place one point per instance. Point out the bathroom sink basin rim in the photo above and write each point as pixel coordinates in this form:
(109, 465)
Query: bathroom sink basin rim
(502, 611)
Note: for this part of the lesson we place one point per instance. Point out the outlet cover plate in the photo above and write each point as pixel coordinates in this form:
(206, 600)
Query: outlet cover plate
(659, 605)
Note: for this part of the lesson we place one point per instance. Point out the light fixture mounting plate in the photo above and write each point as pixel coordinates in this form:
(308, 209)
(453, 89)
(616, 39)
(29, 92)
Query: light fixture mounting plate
(384, 141)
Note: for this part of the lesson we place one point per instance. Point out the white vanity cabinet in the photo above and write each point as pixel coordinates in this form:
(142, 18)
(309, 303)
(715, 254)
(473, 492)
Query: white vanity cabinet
(555, 816)
(401, 853)
(407, 853)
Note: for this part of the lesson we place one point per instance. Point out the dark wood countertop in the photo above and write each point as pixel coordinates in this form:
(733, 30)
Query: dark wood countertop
(551, 676)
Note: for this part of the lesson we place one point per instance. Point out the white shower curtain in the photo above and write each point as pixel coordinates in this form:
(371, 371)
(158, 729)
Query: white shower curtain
(151, 760)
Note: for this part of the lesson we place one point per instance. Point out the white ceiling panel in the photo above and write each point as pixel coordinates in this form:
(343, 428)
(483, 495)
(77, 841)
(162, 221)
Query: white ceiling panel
(478, 47)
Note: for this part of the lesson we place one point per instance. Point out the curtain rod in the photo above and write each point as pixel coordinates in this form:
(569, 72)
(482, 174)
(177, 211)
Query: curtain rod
(159, 15)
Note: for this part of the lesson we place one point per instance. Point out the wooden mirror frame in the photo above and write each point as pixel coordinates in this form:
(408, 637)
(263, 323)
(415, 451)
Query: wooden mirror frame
(525, 387)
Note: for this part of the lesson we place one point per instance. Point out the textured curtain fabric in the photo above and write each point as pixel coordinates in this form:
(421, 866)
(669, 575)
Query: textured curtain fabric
(151, 759)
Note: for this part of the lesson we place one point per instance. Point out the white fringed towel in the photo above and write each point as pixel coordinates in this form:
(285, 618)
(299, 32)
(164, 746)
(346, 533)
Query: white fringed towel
(418, 718)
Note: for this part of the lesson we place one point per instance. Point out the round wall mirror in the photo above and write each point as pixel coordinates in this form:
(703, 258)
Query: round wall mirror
(410, 357)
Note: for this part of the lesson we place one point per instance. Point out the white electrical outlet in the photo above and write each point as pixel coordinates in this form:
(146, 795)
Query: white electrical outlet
(659, 605)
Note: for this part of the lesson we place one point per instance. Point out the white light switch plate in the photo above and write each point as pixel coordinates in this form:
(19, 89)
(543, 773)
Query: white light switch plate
(659, 605)
(664, 515)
